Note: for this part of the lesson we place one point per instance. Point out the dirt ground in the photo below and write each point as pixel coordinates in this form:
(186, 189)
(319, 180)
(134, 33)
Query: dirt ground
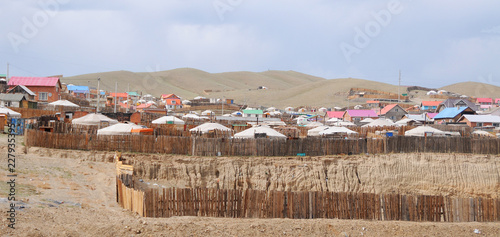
(72, 193)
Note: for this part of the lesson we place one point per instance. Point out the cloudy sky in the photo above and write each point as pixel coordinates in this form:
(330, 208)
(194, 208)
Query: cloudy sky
(433, 43)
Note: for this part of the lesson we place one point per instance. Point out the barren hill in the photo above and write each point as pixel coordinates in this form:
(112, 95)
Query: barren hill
(475, 89)
(285, 88)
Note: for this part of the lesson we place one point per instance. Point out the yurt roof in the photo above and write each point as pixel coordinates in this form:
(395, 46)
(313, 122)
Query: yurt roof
(250, 133)
(166, 119)
(206, 127)
(93, 119)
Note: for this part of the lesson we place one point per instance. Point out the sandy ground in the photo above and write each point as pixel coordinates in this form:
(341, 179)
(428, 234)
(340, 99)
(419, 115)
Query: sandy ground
(72, 193)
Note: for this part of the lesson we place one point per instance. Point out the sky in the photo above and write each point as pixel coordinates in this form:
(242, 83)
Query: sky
(432, 43)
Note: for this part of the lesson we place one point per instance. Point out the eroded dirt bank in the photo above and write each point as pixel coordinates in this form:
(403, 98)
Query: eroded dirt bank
(71, 193)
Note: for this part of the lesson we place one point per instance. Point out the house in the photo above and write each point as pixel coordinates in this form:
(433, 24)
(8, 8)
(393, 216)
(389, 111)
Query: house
(120, 97)
(484, 103)
(497, 101)
(480, 120)
(47, 89)
(335, 114)
(14, 100)
(29, 95)
(393, 112)
(141, 107)
(424, 118)
(79, 91)
(256, 113)
(373, 104)
(494, 111)
(457, 103)
(353, 115)
(430, 105)
(171, 101)
(452, 115)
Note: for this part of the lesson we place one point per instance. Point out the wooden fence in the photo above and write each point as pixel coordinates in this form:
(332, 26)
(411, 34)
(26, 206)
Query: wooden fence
(233, 203)
(31, 113)
(201, 146)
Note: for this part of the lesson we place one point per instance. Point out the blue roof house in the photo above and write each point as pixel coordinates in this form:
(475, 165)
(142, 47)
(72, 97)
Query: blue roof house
(452, 114)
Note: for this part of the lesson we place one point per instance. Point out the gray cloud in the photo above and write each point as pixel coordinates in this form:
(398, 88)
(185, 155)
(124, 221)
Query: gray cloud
(433, 43)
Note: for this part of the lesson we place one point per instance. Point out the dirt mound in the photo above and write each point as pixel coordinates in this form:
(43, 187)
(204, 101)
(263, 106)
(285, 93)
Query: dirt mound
(462, 175)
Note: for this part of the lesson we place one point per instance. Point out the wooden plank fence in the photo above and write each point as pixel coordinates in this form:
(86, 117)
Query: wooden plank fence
(232, 203)
(201, 146)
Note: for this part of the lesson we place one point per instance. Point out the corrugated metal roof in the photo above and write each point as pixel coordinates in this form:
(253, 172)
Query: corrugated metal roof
(484, 100)
(335, 114)
(253, 111)
(34, 81)
(387, 108)
(119, 95)
(27, 90)
(11, 97)
(431, 103)
(77, 88)
(450, 112)
(362, 113)
(482, 118)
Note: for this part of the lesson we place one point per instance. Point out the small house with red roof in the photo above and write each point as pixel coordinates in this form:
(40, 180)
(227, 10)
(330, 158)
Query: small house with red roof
(335, 114)
(373, 104)
(46, 89)
(430, 105)
(356, 115)
(141, 107)
(171, 101)
(484, 103)
(393, 112)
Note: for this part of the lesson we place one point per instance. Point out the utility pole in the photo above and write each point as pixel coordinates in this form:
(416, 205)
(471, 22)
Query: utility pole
(98, 95)
(7, 73)
(116, 92)
(128, 99)
(399, 85)
(223, 106)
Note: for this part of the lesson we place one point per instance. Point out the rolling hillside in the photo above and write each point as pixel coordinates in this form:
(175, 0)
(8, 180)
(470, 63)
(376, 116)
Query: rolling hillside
(285, 88)
(475, 89)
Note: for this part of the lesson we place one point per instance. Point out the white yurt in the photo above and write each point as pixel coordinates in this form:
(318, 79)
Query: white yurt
(191, 116)
(168, 120)
(322, 110)
(336, 130)
(93, 119)
(119, 129)
(236, 114)
(367, 120)
(404, 121)
(423, 130)
(332, 120)
(315, 131)
(10, 113)
(314, 124)
(480, 133)
(343, 124)
(381, 122)
(259, 129)
(208, 127)
(207, 113)
(289, 109)
(271, 109)
(64, 103)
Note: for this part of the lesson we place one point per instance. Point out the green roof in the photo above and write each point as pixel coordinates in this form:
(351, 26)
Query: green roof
(133, 93)
(253, 111)
(3, 75)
